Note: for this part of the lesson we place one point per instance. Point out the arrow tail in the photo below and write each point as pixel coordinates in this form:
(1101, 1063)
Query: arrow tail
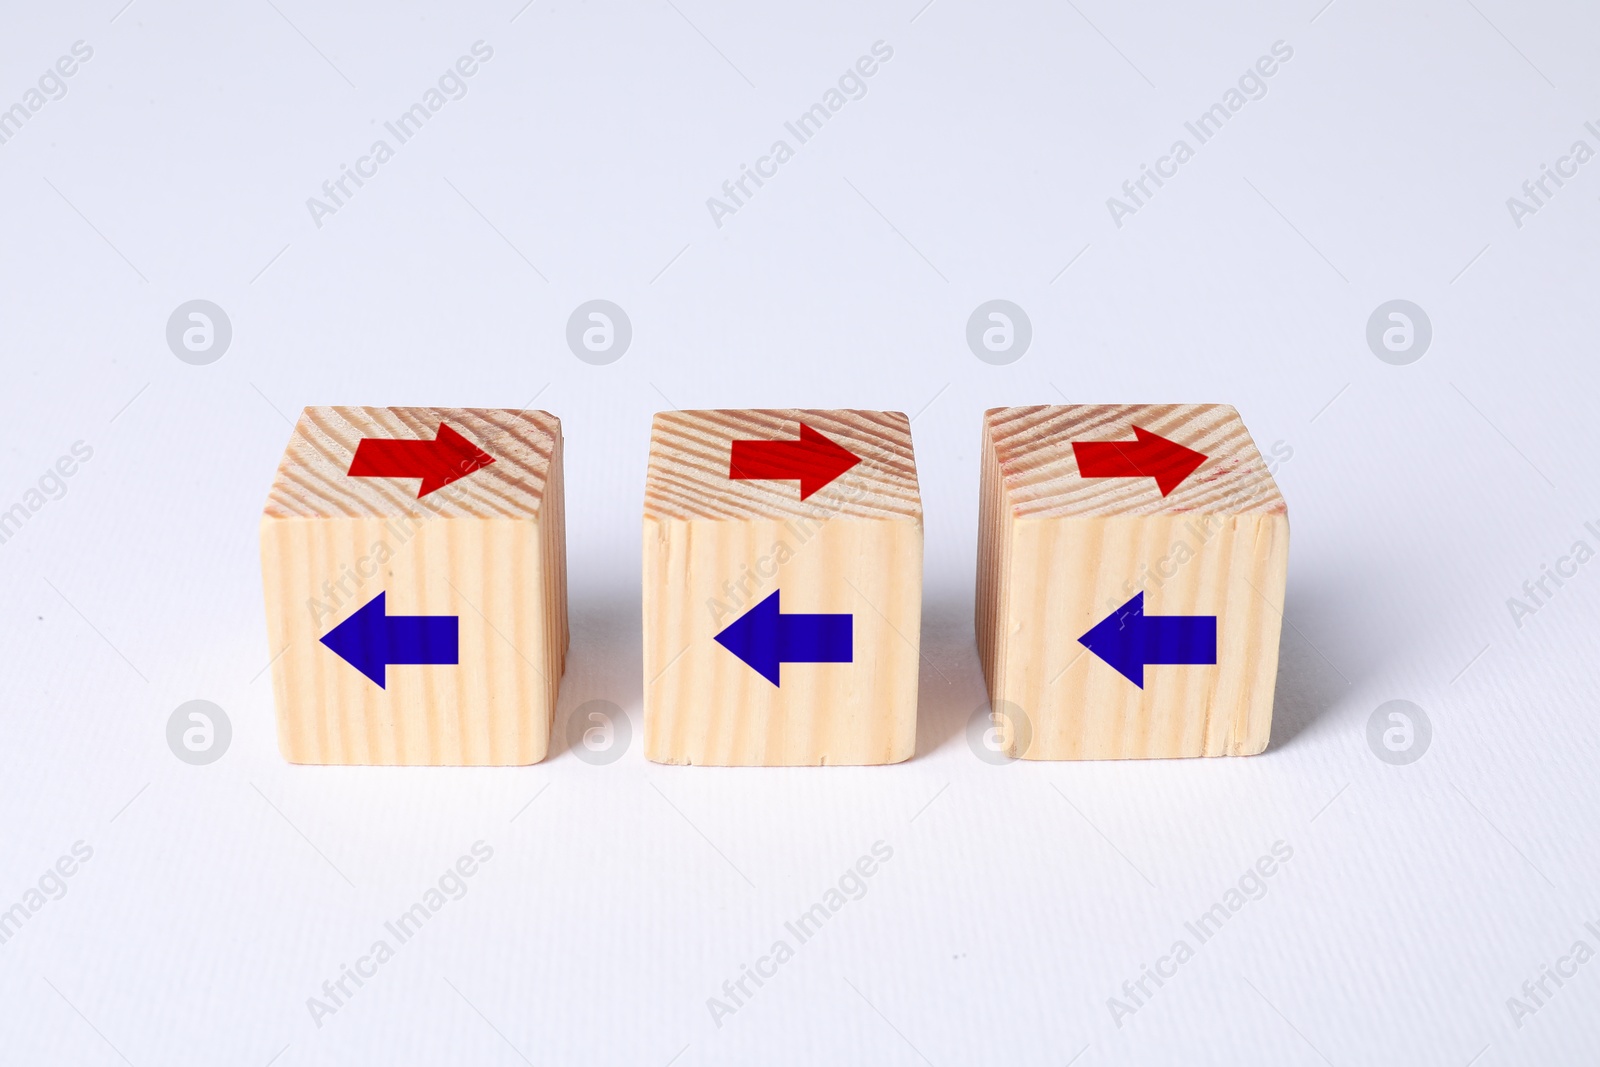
(780, 460)
(816, 638)
(1106, 459)
(424, 639)
(1180, 639)
(761, 460)
(377, 458)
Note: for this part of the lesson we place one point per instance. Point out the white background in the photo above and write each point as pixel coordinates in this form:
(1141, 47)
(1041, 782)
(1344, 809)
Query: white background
(1020, 897)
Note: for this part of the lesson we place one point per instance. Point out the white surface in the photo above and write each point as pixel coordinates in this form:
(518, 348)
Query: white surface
(1019, 898)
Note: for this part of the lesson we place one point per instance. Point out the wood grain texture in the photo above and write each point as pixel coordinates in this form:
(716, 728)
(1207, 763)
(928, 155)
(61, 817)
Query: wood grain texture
(715, 547)
(689, 452)
(1059, 552)
(489, 548)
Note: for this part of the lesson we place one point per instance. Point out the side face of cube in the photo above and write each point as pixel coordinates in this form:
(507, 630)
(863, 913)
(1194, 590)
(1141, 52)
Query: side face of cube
(780, 631)
(1133, 562)
(416, 630)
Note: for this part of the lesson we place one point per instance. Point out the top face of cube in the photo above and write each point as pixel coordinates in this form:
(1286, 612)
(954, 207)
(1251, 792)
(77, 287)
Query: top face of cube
(472, 463)
(1060, 461)
(781, 463)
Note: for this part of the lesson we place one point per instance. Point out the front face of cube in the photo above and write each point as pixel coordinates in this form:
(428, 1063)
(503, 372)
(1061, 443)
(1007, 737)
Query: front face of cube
(1132, 622)
(781, 631)
(422, 632)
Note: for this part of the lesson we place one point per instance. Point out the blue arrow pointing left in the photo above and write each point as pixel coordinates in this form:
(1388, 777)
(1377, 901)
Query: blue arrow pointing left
(1130, 640)
(764, 638)
(370, 641)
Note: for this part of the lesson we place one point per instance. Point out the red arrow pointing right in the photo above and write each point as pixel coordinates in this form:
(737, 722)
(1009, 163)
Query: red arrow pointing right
(1149, 455)
(814, 459)
(438, 462)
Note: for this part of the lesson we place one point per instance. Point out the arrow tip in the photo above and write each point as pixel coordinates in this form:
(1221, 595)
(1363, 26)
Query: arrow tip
(362, 640)
(753, 637)
(1168, 462)
(1118, 639)
(826, 460)
(454, 457)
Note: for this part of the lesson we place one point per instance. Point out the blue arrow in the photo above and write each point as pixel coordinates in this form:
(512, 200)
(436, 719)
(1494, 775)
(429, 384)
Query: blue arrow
(1130, 640)
(370, 641)
(763, 638)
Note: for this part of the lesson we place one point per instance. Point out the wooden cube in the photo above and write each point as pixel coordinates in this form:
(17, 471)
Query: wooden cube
(782, 588)
(1131, 570)
(414, 561)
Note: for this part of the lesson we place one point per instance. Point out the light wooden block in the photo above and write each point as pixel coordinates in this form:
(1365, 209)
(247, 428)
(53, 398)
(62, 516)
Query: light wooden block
(716, 546)
(487, 549)
(1061, 554)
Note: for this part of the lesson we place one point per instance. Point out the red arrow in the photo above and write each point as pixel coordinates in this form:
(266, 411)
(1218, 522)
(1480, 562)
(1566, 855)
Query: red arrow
(438, 462)
(814, 459)
(1149, 456)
